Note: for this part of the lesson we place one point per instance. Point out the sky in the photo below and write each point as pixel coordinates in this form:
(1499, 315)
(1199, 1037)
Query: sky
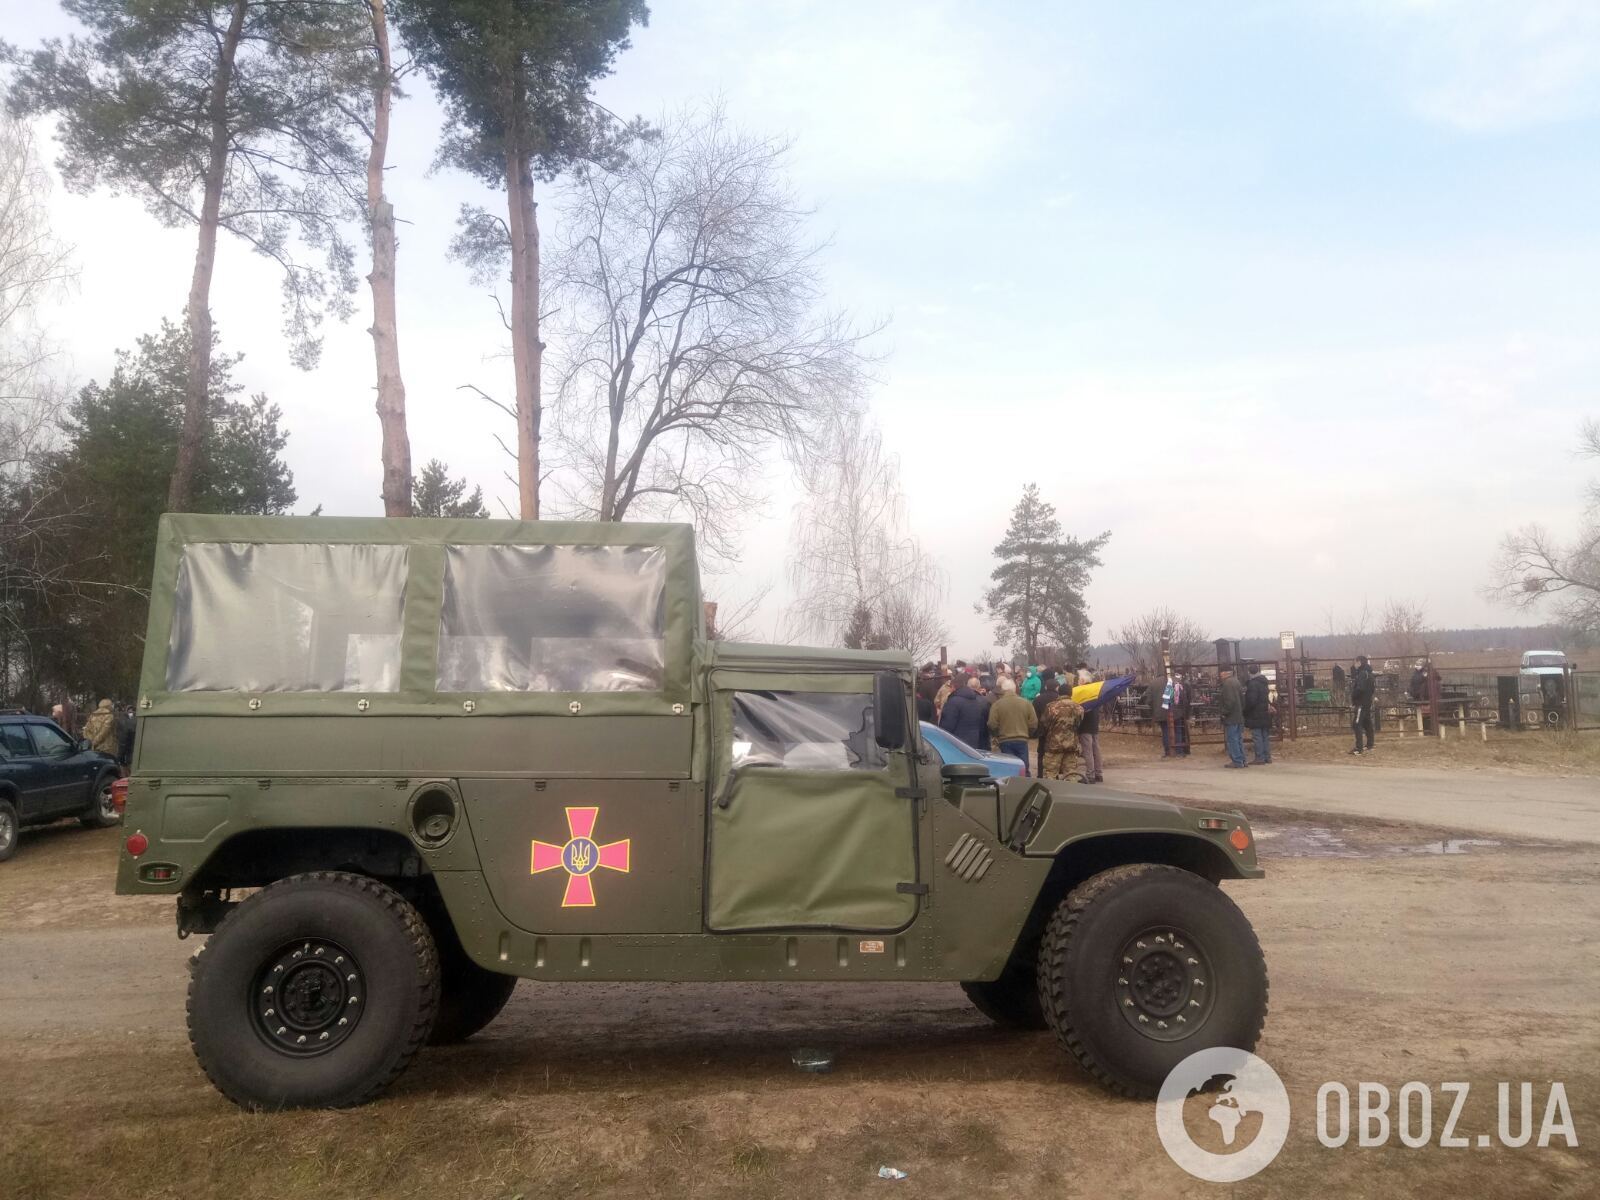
(1300, 300)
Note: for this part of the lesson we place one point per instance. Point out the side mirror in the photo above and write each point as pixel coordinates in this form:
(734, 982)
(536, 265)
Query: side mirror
(84, 744)
(889, 709)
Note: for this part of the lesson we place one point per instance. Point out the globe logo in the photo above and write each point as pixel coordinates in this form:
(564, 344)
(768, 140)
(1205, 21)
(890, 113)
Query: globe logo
(1222, 1114)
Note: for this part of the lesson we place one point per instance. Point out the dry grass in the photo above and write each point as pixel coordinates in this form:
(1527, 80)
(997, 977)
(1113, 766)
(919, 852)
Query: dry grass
(1565, 753)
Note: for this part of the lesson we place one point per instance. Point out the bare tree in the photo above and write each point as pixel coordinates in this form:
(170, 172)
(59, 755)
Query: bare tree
(1535, 565)
(33, 265)
(1349, 625)
(687, 304)
(1141, 639)
(1404, 629)
(853, 552)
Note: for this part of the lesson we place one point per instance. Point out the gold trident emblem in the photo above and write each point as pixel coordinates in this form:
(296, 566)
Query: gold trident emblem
(581, 854)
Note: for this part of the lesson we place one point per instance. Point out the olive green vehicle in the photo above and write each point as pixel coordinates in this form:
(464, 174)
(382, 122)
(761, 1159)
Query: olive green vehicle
(438, 756)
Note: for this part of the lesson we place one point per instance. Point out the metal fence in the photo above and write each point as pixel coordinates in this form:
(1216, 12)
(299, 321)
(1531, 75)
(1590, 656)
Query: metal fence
(1311, 698)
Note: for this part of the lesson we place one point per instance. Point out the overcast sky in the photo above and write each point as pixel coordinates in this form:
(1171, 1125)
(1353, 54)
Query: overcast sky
(1300, 300)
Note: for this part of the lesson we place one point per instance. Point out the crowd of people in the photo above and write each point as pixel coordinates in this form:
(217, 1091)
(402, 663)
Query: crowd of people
(108, 729)
(1026, 712)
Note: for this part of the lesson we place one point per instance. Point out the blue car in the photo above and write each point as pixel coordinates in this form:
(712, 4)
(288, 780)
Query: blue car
(952, 749)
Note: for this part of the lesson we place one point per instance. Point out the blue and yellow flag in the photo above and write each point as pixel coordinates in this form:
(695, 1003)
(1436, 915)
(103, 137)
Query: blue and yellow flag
(1092, 695)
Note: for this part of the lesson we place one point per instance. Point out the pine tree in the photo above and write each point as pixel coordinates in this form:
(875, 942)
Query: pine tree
(1037, 597)
(859, 630)
(224, 115)
(435, 494)
(514, 79)
(104, 490)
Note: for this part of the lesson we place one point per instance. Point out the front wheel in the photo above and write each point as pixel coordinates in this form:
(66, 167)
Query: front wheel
(1143, 965)
(8, 829)
(316, 992)
(103, 807)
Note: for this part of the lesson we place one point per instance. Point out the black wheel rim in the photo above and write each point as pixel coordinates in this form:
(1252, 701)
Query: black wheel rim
(108, 804)
(1165, 987)
(308, 997)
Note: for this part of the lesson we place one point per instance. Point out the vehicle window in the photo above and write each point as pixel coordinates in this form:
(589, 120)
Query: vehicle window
(14, 737)
(552, 619)
(50, 741)
(1544, 660)
(805, 731)
(257, 617)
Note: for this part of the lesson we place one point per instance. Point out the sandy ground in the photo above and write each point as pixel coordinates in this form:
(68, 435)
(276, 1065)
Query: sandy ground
(1391, 961)
(1500, 803)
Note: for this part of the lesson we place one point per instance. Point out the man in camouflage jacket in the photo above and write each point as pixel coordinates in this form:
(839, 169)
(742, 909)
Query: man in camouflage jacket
(1059, 756)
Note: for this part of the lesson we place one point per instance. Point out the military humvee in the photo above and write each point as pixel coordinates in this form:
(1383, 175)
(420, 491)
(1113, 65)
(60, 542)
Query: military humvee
(444, 755)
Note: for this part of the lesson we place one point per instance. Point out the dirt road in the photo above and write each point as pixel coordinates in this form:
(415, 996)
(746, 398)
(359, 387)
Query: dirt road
(1496, 803)
(1389, 964)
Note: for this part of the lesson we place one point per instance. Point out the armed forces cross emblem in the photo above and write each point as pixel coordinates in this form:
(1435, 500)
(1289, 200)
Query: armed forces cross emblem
(580, 857)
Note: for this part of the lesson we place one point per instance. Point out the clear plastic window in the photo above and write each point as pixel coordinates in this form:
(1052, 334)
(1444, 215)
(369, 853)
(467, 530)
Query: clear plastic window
(264, 617)
(805, 731)
(552, 619)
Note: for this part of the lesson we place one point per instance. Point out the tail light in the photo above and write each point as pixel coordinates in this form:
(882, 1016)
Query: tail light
(137, 844)
(119, 795)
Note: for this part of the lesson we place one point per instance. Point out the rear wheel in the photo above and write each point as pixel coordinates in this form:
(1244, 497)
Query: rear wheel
(1143, 965)
(315, 992)
(1011, 1000)
(8, 829)
(103, 809)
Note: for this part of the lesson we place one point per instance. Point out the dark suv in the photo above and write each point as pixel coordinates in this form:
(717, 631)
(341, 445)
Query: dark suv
(45, 776)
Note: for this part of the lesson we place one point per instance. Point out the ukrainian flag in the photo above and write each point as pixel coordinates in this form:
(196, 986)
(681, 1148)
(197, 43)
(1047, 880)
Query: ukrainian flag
(1102, 691)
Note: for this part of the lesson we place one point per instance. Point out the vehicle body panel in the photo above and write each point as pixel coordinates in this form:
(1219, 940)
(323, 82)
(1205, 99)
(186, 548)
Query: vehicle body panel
(609, 835)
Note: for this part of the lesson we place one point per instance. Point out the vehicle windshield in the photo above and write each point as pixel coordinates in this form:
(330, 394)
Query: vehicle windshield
(1544, 660)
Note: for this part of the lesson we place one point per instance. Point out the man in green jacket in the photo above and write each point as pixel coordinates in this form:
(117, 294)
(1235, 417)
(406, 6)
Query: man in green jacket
(1231, 701)
(1012, 722)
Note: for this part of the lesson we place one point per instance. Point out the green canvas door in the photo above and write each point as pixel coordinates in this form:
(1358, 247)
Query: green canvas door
(805, 829)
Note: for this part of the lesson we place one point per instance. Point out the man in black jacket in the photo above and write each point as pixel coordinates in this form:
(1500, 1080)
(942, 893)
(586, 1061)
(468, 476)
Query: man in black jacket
(1363, 692)
(1258, 714)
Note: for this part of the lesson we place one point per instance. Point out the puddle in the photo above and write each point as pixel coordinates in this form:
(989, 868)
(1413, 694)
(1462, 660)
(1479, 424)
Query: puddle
(1446, 846)
(1323, 841)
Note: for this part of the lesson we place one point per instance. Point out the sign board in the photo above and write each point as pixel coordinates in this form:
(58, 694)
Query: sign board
(1319, 695)
(1286, 639)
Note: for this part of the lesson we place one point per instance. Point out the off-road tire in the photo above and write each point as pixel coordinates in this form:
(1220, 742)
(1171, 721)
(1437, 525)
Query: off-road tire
(1011, 1000)
(397, 974)
(469, 996)
(1083, 995)
(10, 830)
(101, 814)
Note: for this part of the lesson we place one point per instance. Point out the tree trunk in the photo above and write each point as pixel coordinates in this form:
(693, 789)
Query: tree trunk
(526, 350)
(196, 401)
(385, 325)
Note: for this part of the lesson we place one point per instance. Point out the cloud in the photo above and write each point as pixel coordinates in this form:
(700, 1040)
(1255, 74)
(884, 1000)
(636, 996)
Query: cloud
(1491, 66)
